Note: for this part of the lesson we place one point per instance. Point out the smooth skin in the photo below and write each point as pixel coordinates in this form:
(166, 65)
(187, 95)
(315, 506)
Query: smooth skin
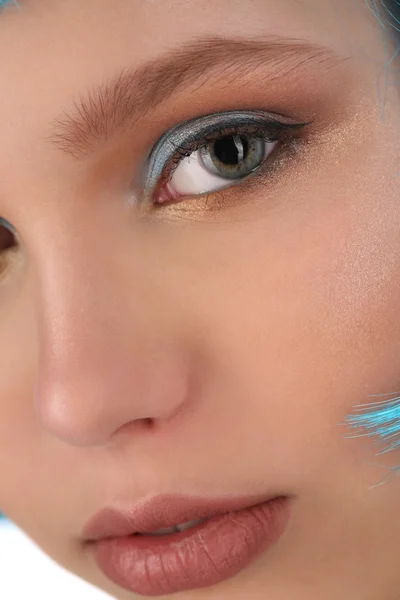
(243, 334)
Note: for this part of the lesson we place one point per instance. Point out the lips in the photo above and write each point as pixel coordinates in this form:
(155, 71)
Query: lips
(159, 512)
(233, 533)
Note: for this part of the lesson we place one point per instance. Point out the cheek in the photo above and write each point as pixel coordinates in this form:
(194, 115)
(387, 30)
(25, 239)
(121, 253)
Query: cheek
(301, 314)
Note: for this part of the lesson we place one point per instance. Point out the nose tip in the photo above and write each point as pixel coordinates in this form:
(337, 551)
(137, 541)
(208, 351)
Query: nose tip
(108, 351)
(86, 404)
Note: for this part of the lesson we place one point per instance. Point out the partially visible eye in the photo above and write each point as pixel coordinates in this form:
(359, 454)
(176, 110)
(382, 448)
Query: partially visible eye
(7, 235)
(217, 165)
(214, 152)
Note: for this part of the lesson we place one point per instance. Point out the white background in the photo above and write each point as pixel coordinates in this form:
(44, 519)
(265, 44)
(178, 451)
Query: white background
(41, 578)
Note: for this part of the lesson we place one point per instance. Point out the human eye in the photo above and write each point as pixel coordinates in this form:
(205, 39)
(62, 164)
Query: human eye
(214, 152)
(7, 235)
(8, 243)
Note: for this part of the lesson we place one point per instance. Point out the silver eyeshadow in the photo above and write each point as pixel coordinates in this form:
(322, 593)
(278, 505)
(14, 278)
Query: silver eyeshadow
(196, 129)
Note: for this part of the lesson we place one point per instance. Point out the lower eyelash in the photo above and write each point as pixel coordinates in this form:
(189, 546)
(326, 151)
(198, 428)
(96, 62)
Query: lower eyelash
(245, 192)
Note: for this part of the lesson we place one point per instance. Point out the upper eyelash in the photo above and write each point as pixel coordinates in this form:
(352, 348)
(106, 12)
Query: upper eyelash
(208, 128)
(263, 132)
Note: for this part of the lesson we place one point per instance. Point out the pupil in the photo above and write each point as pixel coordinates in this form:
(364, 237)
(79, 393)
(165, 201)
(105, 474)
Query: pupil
(230, 150)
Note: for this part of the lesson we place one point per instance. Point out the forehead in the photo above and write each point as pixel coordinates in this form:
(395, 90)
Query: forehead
(143, 16)
(92, 34)
(80, 39)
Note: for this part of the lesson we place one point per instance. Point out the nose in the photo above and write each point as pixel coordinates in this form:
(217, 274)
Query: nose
(108, 357)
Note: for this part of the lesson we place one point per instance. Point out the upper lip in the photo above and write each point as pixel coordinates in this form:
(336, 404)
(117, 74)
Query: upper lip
(151, 514)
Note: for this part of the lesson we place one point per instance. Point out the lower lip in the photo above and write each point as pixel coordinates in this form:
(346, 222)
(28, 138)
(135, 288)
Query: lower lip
(205, 555)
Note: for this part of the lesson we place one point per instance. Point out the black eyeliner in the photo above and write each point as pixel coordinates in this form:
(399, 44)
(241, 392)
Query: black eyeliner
(190, 135)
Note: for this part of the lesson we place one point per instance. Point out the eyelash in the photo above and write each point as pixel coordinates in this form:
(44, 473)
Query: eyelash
(270, 131)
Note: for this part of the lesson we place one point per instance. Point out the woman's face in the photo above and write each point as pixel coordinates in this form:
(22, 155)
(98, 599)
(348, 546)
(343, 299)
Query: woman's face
(208, 344)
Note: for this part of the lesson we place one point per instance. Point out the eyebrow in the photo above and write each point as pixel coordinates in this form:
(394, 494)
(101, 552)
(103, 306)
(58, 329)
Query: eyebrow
(116, 104)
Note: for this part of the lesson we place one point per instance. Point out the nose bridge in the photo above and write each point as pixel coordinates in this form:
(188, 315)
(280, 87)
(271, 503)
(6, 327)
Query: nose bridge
(73, 283)
(73, 298)
(98, 351)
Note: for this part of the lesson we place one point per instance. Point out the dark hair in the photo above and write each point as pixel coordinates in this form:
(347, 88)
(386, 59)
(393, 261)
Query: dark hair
(393, 6)
(388, 14)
